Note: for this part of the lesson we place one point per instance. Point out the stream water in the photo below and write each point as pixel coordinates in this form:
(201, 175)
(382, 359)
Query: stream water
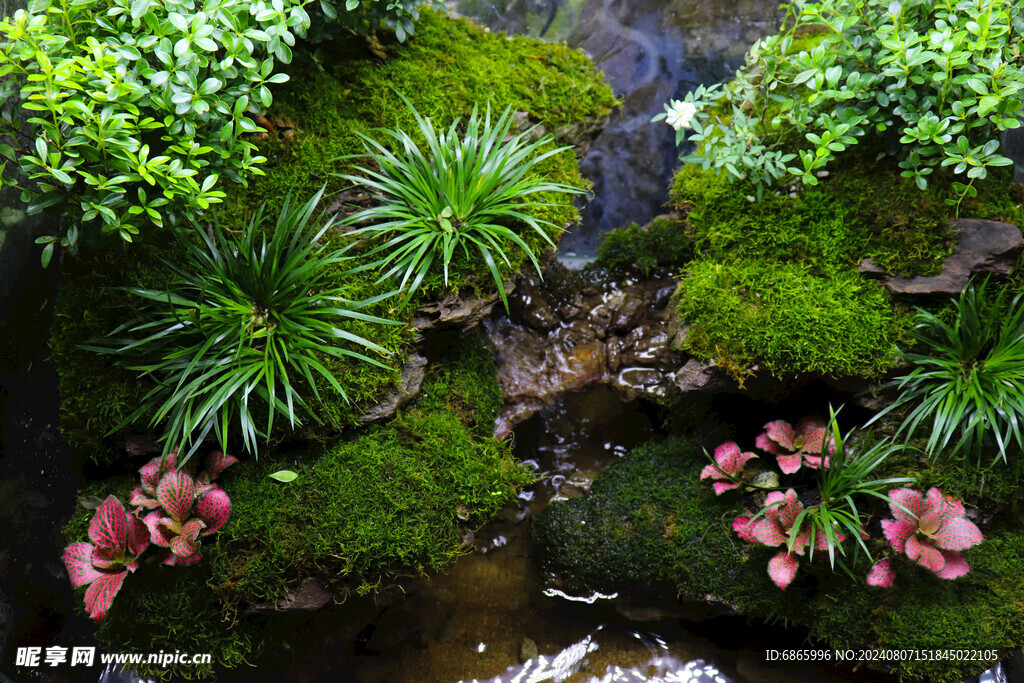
(650, 51)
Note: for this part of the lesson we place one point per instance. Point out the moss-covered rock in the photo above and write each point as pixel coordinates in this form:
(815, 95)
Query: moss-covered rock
(649, 520)
(394, 500)
(776, 279)
(786, 319)
(445, 69)
(662, 243)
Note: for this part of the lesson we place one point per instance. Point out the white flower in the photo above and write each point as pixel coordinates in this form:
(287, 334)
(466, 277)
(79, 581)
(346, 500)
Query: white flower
(679, 114)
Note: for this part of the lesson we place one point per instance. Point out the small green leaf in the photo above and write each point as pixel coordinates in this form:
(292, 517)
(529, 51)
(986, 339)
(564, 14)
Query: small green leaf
(284, 476)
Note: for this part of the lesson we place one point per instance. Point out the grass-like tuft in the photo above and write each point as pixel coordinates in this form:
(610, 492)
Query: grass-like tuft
(455, 192)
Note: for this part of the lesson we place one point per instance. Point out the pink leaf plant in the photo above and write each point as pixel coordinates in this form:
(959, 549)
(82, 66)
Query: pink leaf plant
(729, 462)
(774, 528)
(932, 534)
(796, 447)
(184, 506)
(118, 538)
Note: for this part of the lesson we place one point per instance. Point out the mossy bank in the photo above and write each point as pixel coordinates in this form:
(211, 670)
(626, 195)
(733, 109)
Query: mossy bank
(649, 520)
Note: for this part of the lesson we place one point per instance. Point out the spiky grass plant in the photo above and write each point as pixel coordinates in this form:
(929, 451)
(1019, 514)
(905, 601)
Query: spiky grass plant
(452, 192)
(246, 322)
(968, 381)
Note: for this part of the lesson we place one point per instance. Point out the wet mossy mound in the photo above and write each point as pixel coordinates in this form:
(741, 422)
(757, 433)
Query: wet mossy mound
(648, 520)
(445, 69)
(775, 283)
(98, 395)
(392, 501)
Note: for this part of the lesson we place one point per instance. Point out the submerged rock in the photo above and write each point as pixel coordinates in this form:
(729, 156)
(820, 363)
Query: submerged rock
(982, 246)
(310, 596)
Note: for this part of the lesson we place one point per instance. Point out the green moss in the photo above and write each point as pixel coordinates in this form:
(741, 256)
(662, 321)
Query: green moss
(463, 381)
(445, 69)
(384, 504)
(863, 210)
(648, 520)
(786, 319)
(661, 244)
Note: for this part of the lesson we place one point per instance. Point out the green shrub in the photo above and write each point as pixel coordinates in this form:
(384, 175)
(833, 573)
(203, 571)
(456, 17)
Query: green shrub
(136, 108)
(785, 319)
(243, 321)
(459, 192)
(968, 382)
(941, 79)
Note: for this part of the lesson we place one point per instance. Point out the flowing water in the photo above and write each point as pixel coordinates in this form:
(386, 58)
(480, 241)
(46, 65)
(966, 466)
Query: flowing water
(650, 51)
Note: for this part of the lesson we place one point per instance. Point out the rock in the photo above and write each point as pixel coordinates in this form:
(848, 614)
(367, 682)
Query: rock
(463, 312)
(982, 246)
(410, 381)
(701, 375)
(310, 596)
(599, 333)
(527, 650)
(137, 445)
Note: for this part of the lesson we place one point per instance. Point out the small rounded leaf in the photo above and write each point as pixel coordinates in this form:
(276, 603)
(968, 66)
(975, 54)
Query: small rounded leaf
(285, 476)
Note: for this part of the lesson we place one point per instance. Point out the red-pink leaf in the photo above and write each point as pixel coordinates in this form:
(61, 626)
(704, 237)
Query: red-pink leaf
(176, 493)
(898, 531)
(100, 595)
(781, 432)
(109, 525)
(925, 555)
(790, 463)
(768, 532)
(106, 558)
(910, 499)
(957, 533)
(138, 536)
(741, 525)
(183, 547)
(782, 568)
(773, 502)
(78, 559)
(150, 475)
(157, 534)
(944, 507)
(955, 567)
(881, 575)
(711, 471)
(217, 463)
(765, 444)
(214, 509)
(790, 510)
(141, 498)
(192, 528)
(721, 487)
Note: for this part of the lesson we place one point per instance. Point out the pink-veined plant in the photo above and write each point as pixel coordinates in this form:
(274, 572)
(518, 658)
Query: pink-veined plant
(184, 506)
(118, 538)
(727, 467)
(803, 446)
(931, 530)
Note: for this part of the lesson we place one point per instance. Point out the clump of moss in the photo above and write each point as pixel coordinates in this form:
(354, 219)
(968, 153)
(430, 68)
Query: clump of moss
(662, 243)
(463, 381)
(649, 520)
(786, 319)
